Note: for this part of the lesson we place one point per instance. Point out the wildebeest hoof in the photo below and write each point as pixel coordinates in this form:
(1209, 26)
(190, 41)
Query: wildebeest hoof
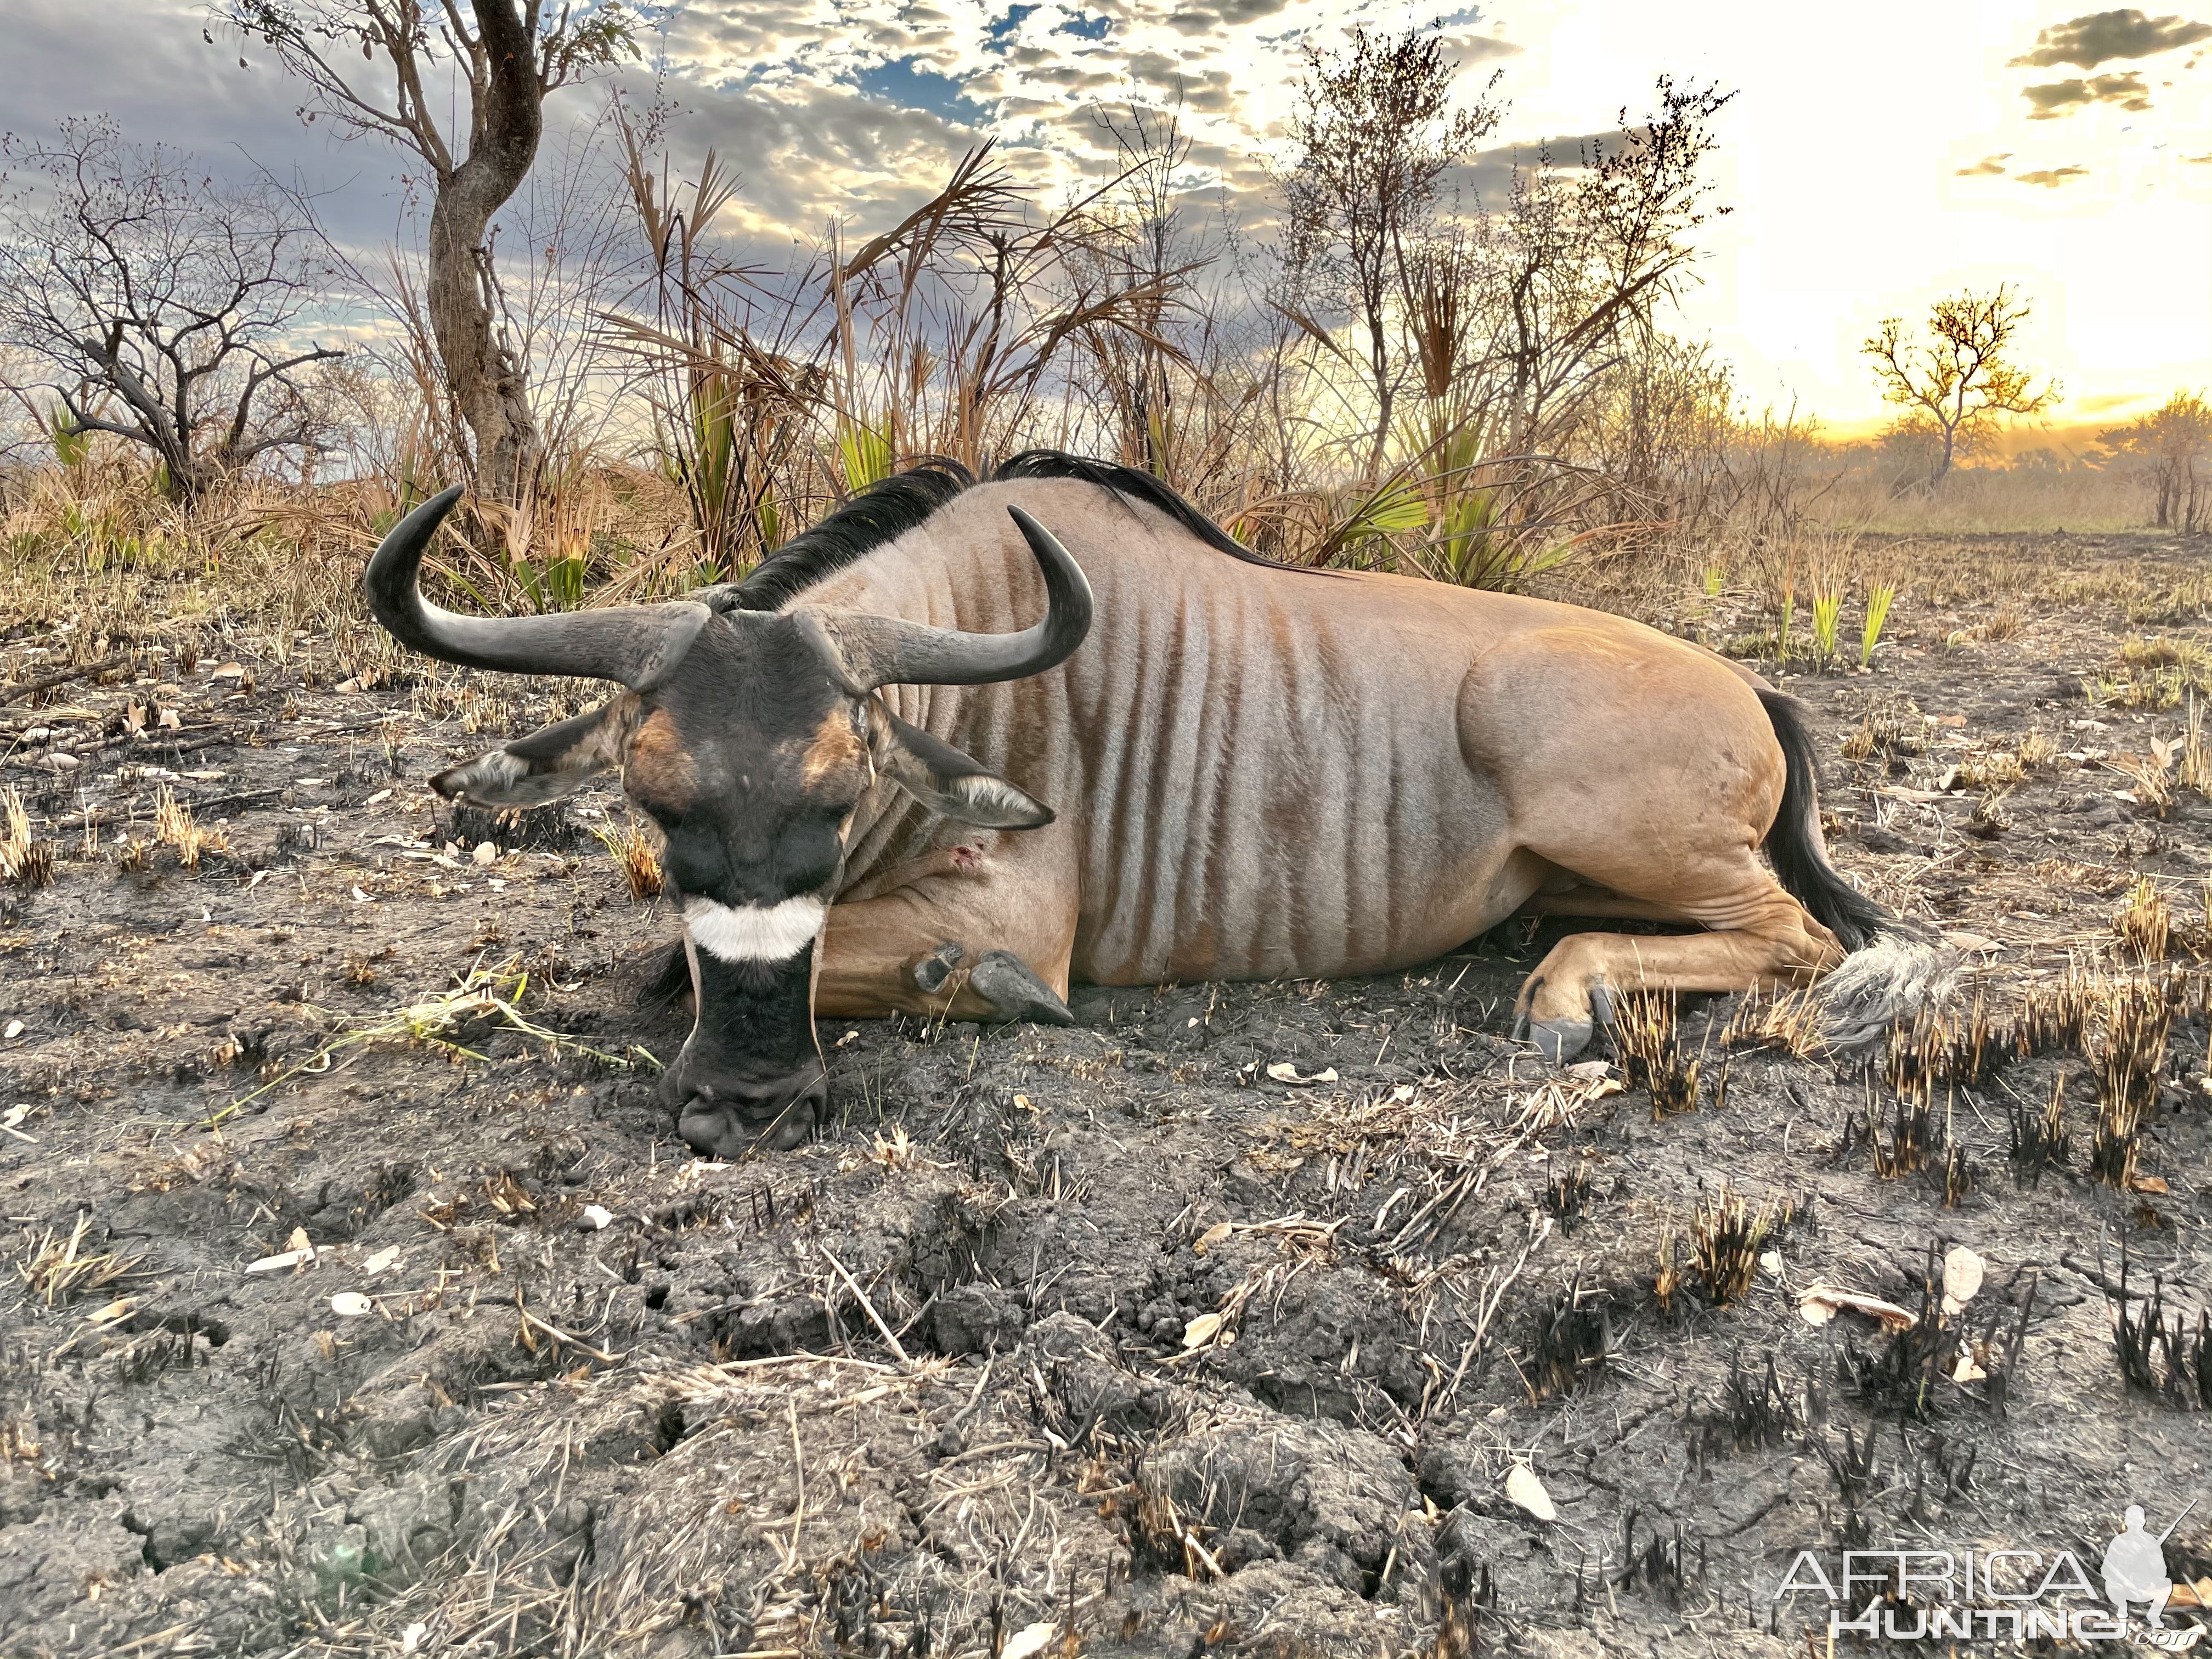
(1603, 1007)
(1003, 979)
(1559, 1040)
(725, 1122)
(933, 969)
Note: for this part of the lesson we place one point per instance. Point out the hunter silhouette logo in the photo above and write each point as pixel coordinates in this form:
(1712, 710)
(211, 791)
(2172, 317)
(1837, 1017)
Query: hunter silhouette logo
(2135, 1571)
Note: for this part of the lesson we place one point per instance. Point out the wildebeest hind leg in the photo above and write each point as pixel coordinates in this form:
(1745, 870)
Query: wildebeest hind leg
(1650, 772)
(1768, 943)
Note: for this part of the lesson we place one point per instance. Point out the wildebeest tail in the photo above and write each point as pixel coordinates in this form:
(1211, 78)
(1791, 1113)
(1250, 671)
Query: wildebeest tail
(1796, 846)
(1896, 967)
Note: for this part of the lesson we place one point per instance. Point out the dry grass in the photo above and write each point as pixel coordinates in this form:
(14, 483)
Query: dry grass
(2000, 769)
(55, 1270)
(2130, 1019)
(1787, 1020)
(1726, 1239)
(1667, 1283)
(1646, 1039)
(1892, 726)
(634, 851)
(174, 827)
(2186, 601)
(1981, 501)
(2144, 923)
(1914, 1135)
(2006, 770)
(2193, 770)
(492, 995)
(23, 859)
(2197, 933)
(2153, 673)
(1571, 1343)
(2039, 1141)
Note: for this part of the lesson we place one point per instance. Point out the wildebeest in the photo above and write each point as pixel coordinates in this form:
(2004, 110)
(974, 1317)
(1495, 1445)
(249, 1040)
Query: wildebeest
(935, 756)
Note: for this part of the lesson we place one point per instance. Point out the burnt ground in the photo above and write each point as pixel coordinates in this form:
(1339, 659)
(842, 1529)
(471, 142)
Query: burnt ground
(1115, 1339)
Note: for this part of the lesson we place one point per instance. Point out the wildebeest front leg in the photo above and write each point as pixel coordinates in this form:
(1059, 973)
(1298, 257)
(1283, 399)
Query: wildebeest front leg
(1007, 986)
(982, 931)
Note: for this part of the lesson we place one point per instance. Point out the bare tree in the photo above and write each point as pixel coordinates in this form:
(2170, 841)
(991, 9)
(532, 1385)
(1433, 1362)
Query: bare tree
(2173, 444)
(511, 56)
(166, 301)
(1577, 265)
(1555, 409)
(1954, 386)
(1375, 132)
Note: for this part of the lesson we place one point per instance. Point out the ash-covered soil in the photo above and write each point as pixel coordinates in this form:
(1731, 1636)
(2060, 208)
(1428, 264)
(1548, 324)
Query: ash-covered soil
(1221, 1322)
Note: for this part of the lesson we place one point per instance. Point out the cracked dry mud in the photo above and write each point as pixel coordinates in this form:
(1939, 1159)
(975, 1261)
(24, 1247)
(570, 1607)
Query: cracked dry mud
(1131, 1338)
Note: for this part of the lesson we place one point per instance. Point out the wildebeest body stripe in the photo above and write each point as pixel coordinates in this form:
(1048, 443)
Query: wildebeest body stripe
(1201, 750)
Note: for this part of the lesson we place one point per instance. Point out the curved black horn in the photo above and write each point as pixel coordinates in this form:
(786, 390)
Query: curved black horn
(634, 645)
(892, 650)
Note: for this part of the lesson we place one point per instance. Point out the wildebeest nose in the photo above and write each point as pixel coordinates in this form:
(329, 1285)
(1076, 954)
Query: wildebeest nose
(726, 1117)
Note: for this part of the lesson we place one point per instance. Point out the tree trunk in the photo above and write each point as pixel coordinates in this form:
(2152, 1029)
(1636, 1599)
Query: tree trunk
(1943, 462)
(1379, 360)
(489, 385)
(185, 485)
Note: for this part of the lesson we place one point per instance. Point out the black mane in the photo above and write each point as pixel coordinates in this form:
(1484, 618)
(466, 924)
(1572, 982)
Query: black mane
(877, 516)
(884, 511)
(1136, 484)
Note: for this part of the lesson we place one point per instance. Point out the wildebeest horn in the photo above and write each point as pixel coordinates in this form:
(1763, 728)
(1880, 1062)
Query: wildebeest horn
(892, 650)
(633, 645)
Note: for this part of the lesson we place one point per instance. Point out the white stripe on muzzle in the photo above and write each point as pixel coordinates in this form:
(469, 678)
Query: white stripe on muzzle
(754, 932)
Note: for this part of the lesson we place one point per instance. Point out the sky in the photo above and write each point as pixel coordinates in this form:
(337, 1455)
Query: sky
(1874, 157)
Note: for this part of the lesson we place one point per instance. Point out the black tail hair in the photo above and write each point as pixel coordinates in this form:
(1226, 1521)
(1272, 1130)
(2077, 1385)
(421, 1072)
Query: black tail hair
(1795, 845)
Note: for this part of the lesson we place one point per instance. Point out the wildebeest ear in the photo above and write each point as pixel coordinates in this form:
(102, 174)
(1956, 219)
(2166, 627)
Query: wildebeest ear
(544, 766)
(940, 776)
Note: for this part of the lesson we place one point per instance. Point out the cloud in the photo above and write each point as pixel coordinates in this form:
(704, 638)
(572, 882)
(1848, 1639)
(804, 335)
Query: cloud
(1230, 14)
(1214, 92)
(1986, 166)
(148, 67)
(1465, 49)
(2101, 37)
(1489, 174)
(843, 111)
(2052, 177)
(2053, 99)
